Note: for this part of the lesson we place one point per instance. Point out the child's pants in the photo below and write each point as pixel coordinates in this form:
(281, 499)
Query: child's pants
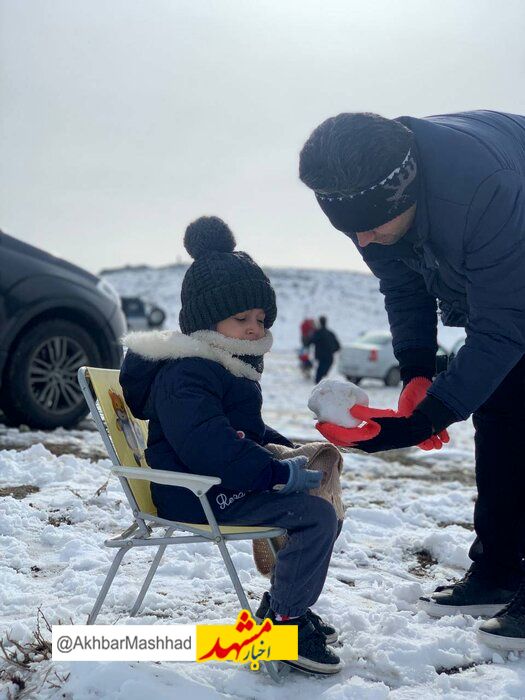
(302, 565)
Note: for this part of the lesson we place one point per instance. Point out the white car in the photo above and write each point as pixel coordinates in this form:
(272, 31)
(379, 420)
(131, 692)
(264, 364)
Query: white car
(457, 347)
(371, 356)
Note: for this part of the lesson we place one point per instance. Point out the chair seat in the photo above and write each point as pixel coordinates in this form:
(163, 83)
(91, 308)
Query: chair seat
(230, 529)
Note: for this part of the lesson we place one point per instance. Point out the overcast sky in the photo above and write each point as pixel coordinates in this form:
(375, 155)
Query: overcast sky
(123, 120)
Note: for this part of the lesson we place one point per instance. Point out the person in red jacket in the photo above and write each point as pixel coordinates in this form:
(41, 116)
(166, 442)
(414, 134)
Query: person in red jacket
(307, 331)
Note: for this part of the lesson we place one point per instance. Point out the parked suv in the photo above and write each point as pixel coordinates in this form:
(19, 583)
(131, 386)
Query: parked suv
(54, 317)
(141, 315)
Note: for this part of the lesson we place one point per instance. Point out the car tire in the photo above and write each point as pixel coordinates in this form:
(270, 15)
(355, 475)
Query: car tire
(156, 317)
(354, 380)
(40, 384)
(392, 377)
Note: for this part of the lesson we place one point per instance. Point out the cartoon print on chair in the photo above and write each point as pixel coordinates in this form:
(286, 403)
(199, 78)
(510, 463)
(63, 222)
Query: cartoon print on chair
(129, 427)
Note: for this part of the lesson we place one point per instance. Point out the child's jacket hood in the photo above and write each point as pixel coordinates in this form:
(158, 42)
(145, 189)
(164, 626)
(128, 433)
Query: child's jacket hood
(150, 350)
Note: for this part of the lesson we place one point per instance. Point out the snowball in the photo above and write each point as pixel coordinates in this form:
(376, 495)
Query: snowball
(331, 400)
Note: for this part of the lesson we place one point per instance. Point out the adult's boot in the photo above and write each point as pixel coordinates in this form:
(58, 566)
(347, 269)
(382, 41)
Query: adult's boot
(506, 630)
(479, 593)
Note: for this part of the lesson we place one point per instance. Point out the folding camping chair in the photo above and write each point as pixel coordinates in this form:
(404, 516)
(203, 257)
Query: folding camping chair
(125, 438)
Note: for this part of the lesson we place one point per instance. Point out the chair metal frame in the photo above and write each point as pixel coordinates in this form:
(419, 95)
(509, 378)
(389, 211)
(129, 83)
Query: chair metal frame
(141, 532)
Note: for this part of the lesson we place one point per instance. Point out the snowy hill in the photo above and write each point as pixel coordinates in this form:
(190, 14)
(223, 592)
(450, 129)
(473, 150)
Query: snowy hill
(350, 300)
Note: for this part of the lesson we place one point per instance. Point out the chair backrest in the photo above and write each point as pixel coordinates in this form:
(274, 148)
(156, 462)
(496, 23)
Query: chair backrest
(124, 436)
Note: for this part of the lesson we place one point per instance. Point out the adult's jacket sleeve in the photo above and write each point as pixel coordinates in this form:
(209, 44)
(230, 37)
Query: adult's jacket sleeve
(494, 245)
(189, 408)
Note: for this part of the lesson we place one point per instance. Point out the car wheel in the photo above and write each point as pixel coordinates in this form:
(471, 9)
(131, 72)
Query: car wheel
(156, 317)
(393, 377)
(354, 380)
(41, 387)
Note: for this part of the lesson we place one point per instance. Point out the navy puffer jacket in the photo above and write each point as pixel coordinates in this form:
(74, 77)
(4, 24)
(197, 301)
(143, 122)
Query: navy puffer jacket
(196, 395)
(465, 249)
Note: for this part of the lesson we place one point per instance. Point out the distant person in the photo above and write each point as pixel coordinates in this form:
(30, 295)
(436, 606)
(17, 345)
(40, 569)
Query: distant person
(326, 345)
(307, 330)
(200, 391)
(305, 363)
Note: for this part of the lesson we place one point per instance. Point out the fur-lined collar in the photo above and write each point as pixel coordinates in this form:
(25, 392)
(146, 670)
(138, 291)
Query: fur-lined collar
(172, 345)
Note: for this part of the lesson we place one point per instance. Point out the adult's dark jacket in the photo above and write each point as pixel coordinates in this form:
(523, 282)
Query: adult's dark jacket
(466, 249)
(196, 392)
(325, 344)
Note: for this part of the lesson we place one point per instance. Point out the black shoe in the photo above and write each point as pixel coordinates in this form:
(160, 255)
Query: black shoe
(330, 633)
(313, 654)
(506, 630)
(478, 593)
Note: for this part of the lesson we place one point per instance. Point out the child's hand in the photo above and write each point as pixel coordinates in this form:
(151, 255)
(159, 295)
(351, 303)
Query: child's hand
(300, 479)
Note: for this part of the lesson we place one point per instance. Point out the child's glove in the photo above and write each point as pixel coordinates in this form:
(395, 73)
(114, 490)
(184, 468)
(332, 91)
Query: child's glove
(413, 393)
(300, 479)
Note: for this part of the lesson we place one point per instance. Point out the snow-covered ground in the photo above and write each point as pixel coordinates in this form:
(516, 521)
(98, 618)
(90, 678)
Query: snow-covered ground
(407, 529)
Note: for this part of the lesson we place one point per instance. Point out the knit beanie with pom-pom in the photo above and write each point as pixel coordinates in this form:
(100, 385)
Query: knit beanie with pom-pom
(221, 281)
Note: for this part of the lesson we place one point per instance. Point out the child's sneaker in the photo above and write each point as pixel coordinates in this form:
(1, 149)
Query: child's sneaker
(330, 633)
(313, 654)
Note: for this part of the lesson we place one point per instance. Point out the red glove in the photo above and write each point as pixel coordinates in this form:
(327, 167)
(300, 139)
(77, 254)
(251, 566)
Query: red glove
(411, 396)
(383, 430)
(346, 437)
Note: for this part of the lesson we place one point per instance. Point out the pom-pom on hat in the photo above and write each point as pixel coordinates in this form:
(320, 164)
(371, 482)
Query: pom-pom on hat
(221, 281)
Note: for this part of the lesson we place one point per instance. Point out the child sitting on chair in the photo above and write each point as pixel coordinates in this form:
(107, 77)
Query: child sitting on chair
(200, 391)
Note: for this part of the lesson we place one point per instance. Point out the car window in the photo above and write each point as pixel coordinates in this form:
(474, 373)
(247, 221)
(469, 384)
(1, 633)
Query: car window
(133, 306)
(376, 337)
(458, 345)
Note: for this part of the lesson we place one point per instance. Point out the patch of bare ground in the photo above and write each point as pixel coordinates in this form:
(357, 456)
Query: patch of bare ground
(348, 581)
(426, 471)
(58, 520)
(13, 441)
(27, 666)
(18, 492)
(424, 561)
(461, 523)
(453, 670)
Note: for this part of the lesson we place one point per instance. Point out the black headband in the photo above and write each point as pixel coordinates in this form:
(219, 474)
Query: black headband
(375, 205)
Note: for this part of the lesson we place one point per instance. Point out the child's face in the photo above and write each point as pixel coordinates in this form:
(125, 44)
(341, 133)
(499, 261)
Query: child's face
(246, 325)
